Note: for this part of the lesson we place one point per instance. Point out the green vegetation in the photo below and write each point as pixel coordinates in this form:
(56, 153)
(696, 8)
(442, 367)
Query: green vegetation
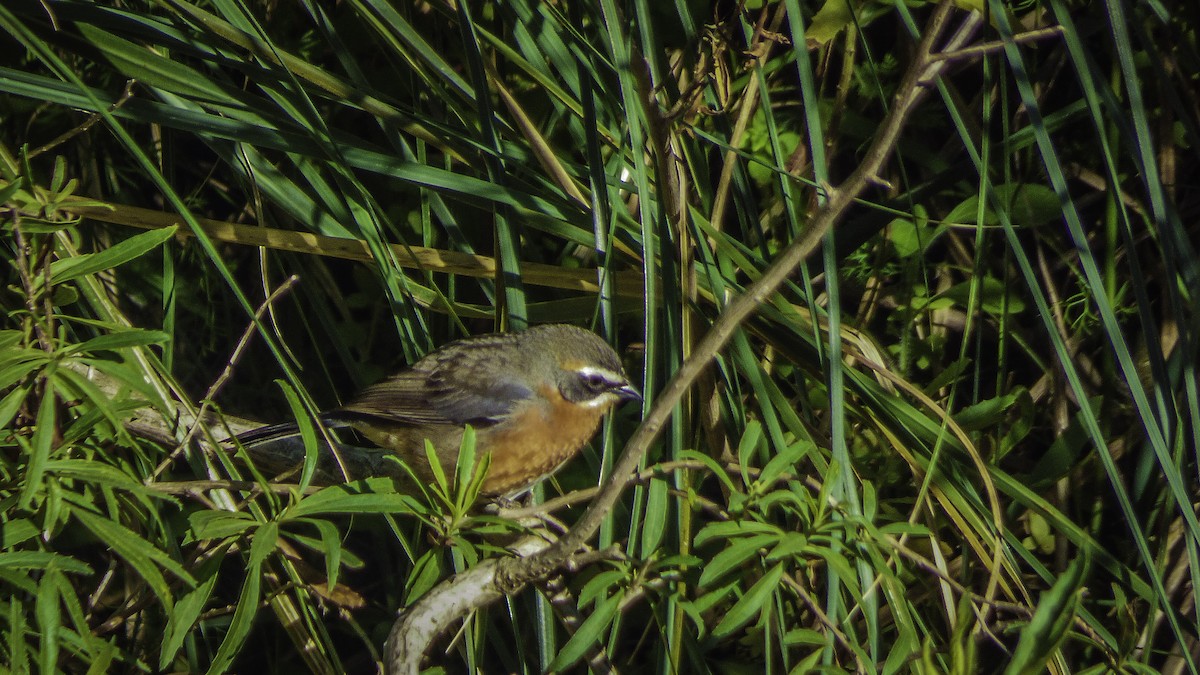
(960, 435)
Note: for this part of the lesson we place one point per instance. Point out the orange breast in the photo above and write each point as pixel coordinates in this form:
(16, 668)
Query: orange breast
(530, 445)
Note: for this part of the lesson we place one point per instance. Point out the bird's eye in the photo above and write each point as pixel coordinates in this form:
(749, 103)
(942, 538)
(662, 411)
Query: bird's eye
(595, 382)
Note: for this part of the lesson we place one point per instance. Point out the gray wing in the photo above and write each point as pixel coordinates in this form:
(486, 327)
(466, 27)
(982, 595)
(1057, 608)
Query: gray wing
(456, 385)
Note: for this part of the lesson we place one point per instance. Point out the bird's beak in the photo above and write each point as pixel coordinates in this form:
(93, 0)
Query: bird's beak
(628, 393)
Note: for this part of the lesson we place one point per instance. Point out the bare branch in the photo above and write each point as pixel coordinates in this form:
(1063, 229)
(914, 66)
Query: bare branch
(493, 579)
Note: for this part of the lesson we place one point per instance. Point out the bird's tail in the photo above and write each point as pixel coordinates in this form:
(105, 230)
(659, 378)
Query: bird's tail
(278, 450)
(275, 432)
(268, 433)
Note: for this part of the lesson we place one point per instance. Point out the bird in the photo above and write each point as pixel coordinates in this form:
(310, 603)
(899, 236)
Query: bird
(534, 398)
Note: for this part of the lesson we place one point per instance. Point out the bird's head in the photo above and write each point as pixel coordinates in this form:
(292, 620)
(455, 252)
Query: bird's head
(583, 367)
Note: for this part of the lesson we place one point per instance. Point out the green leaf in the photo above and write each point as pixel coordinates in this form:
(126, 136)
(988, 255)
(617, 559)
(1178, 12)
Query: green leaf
(59, 176)
(833, 16)
(263, 542)
(308, 433)
(147, 66)
(993, 295)
(441, 483)
(39, 447)
(331, 540)
(40, 560)
(124, 339)
(219, 524)
(903, 529)
(712, 466)
(373, 495)
(804, 636)
(16, 364)
(1055, 612)
(733, 529)
(950, 374)
(734, 556)
(962, 643)
(1063, 454)
(132, 378)
(100, 474)
(94, 425)
(328, 542)
(71, 385)
(600, 585)
(16, 531)
(588, 635)
(469, 473)
(18, 633)
(101, 661)
(750, 604)
(988, 413)
(49, 621)
(427, 571)
(783, 461)
(82, 634)
(7, 192)
(120, 253)
(1028, 205)
(709, 598)
(792, 544)
(909, 238)
(143, 556)
(11, 404)
(187, 610)
(658, 511)
(748, 446)
(243, 618)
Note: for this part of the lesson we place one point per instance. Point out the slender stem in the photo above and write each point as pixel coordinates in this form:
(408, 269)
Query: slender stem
(516, 572)
(492, 579)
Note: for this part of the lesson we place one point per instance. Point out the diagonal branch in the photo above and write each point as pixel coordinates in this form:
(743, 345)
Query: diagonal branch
(493, 579)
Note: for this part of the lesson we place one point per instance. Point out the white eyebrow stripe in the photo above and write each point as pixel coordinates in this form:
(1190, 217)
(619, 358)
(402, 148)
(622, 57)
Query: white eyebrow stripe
(609, 376)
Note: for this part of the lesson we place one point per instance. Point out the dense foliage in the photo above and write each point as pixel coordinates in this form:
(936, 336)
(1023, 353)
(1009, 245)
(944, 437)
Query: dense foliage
(961, 438)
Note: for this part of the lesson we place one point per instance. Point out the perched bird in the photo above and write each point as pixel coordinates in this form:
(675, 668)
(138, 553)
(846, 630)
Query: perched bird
(534, 398)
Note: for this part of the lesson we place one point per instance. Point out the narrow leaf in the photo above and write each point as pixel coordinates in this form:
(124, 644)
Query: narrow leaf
(1055, 611)
(750, 604)
(124, 339)
(143, 556)
(243, 618)
(588, 635)
(136, 246)
(374, 495)
(734, 556)
(658, 510)
(181, 619)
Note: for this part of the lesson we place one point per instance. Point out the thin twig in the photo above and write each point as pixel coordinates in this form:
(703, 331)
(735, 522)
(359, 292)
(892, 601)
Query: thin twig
(126, 94)
(726, 325)
(984, 48)
(189, 487)
(26, 276)
(815, 608)
(493, 579)
(225, 375)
